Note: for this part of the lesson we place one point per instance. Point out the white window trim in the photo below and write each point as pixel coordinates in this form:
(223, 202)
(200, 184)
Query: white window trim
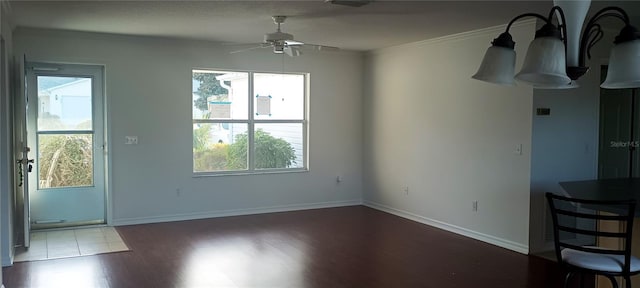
(251, 122)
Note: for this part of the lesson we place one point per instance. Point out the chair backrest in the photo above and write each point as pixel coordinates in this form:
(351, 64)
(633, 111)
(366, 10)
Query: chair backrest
(621, 214)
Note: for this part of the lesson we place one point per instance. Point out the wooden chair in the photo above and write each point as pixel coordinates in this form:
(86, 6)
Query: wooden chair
(609, 262)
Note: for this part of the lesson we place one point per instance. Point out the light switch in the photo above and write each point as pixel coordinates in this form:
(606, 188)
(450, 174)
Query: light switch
(131, 140)
(518, 149)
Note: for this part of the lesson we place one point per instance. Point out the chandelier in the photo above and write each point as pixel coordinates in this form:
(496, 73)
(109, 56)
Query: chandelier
(556, 57)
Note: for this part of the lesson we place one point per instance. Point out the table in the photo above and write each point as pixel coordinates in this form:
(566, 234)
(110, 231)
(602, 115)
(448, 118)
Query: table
(604, 189)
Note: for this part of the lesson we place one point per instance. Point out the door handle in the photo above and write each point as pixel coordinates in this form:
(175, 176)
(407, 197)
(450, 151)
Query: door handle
(20, 169)
(30, 166)
(27, 161)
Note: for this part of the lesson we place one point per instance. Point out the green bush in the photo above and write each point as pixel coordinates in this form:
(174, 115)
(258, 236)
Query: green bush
(65, 161)
(212, 159)
(201, 137)
(270, 152)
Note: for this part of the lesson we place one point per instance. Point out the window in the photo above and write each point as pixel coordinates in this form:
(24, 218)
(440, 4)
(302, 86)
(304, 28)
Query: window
(248, 122)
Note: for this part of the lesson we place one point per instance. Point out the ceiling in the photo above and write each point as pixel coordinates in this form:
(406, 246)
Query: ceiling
(377, 25)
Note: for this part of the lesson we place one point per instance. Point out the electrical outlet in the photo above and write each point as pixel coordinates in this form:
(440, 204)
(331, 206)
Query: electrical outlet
(518, 150)
(475, 206)
(405, 189)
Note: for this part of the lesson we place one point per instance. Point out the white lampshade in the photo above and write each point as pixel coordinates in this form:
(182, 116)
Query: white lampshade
(545, 63)
(624, 66)
(498, 66)
(570, 85)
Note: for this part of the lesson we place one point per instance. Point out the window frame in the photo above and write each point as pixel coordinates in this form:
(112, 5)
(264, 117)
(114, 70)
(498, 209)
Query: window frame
(251, 123)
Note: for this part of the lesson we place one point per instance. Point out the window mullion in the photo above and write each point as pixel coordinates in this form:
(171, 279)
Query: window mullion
(305, 119)
(62, 132)
(251, 127)
(205, 121)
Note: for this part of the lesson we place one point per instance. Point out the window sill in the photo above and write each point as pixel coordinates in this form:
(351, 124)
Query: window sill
(244, 173)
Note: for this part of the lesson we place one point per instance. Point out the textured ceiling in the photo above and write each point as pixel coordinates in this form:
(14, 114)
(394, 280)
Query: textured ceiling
(377, 25)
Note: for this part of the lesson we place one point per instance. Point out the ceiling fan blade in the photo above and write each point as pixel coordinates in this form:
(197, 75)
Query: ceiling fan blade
(293, 43)
(238, 44)
(262, 45)
(319, 47)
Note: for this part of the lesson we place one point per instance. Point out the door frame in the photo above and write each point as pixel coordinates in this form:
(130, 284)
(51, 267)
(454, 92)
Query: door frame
(19, 214)
(7, 166)
(45, 68)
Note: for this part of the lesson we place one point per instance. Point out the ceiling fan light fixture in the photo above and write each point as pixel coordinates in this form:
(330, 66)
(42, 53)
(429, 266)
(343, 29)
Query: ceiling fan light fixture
(278, 47)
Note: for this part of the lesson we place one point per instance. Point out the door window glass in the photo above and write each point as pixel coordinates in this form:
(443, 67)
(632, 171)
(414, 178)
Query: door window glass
(65, 132)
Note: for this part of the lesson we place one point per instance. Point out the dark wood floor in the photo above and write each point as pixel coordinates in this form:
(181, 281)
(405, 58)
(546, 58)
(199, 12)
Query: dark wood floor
(338, 247)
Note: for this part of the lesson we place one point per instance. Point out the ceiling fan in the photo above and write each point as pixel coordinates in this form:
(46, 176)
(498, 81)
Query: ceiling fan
(282, 42)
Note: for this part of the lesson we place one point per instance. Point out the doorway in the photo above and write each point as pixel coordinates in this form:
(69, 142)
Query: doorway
(618, 155)
(65, 126)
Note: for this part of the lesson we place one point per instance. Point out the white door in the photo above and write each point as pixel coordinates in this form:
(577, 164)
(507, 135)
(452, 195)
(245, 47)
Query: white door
(615, 134)
(618, 155)
(24, 161)
(66, 124)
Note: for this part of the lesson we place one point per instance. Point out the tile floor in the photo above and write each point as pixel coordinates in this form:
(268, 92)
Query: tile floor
(71, 243)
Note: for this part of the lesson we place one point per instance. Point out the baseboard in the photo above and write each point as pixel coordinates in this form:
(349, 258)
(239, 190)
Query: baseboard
(507, 244)
(236, 212)
(8, 260)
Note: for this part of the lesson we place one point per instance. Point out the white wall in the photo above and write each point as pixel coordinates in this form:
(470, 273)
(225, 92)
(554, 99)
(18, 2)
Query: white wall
(565, 143)
(449, 138)
(148, 88)
(6, 140)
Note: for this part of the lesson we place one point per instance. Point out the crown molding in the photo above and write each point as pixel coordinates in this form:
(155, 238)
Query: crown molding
(493, 30)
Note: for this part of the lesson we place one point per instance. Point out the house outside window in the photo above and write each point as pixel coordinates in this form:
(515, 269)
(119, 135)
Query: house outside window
(248, 122)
